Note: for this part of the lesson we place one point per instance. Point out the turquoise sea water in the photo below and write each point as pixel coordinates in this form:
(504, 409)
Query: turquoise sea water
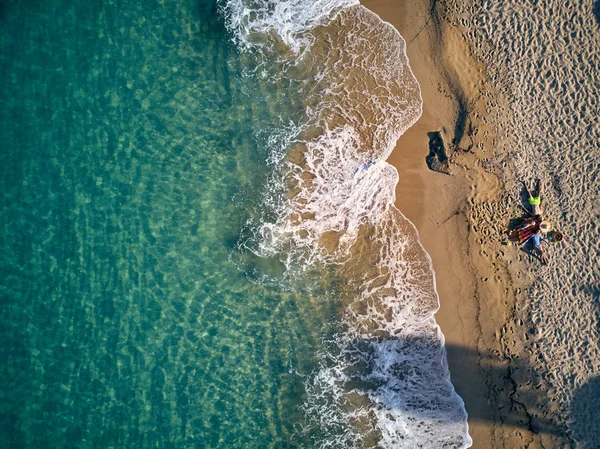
(200, 246)
(130, 164)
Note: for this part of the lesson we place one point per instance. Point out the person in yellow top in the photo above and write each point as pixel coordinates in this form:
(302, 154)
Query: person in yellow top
(535, 201)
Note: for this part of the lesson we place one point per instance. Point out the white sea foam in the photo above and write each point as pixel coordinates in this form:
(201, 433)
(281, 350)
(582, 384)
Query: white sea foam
(345, 189)
(288, 19)
(383, 378)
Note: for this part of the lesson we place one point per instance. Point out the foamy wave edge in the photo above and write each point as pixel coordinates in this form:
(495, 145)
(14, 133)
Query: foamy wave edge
(468, 441)
(292, 21)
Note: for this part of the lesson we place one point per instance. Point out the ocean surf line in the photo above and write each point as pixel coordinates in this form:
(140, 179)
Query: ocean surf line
(382, 379)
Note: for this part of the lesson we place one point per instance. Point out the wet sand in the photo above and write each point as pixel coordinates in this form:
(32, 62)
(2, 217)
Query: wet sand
(461, 217)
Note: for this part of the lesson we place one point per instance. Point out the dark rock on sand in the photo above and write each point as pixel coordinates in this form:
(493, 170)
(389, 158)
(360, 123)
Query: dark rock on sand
(437, 159)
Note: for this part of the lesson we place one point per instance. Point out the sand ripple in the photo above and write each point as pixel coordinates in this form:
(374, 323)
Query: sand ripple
(544, 58)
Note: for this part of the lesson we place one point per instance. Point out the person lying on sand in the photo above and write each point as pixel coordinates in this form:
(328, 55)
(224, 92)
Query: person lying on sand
(535, 201)
(536, 240)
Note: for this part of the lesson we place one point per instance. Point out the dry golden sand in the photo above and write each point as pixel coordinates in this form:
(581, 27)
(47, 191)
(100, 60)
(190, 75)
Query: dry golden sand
(461, 219)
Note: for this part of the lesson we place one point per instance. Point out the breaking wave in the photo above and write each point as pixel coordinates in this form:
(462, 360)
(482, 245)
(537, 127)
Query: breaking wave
(383, 379)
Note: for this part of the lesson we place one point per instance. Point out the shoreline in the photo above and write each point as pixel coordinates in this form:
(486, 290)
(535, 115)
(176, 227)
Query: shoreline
(460, 219)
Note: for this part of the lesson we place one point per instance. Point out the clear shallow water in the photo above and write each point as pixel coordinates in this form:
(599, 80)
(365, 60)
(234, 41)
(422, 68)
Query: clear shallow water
(147, 176)
(129, 167)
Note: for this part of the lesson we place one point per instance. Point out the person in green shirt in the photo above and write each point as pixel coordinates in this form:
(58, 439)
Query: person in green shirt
(535, 201)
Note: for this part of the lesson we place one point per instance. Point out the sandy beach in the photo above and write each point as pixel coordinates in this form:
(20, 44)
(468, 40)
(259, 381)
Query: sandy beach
(485, 287)
(205, 246)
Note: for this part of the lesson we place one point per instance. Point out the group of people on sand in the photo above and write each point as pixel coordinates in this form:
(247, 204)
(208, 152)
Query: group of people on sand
(536, 210)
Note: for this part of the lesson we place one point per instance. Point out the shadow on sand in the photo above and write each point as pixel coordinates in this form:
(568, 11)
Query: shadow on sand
(593, 291)
(503, 392)
(596, 11)
(461, 121)
(585, 415)
(506, 395)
